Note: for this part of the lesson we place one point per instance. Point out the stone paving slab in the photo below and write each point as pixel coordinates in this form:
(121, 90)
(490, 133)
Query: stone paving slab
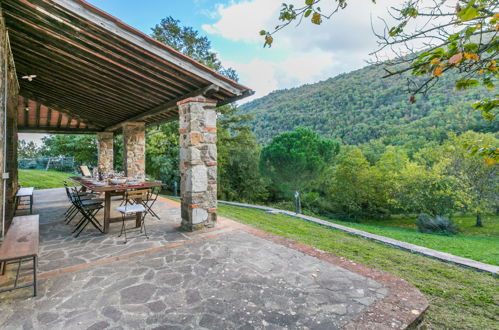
(234, 281)
(229, 277)
(443, 256)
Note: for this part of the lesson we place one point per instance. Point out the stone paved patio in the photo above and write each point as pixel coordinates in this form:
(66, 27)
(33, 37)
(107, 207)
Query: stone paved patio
(229, 277)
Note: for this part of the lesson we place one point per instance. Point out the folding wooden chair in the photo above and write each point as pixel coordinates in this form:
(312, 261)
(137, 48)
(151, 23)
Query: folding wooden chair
(133, 205)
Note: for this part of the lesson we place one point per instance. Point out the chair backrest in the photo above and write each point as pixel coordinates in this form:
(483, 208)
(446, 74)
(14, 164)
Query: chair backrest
(85, 171)
(67, 191)
(137, 194)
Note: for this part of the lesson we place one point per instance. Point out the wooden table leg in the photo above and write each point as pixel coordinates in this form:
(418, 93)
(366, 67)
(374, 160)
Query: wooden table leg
(107, 211)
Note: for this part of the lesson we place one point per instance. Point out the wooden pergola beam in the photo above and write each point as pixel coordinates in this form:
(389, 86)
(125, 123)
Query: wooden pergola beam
(165, 107)
(135, 37)
(59, 131)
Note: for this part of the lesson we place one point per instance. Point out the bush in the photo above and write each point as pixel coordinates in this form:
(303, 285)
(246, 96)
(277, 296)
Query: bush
(438, 224)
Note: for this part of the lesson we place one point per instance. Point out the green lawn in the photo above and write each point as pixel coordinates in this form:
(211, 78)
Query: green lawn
(481, 244)
(41, 179)
(477, 243)
(459, 298)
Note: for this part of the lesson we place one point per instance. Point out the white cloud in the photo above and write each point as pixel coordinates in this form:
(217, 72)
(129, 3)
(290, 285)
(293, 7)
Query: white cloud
(265, 76)
(242, 21)
(310, 52)
(32, 137)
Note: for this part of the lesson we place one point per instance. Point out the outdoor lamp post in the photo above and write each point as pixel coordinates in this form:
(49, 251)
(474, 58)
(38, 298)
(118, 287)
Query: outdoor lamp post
(297, 202)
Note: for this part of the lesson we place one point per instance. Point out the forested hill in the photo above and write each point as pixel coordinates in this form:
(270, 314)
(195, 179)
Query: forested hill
(359, 106)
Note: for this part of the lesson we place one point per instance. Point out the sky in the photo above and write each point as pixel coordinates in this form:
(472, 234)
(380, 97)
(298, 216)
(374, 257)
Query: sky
(299, 55)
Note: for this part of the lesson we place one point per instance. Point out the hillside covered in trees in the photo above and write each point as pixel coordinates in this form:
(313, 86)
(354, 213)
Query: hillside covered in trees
(359, 106)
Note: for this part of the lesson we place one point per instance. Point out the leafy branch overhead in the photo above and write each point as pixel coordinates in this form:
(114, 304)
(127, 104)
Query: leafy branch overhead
(461, 37)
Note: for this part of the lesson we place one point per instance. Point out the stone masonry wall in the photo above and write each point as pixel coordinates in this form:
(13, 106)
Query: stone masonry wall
(134, 150)
(105, 150)
(198, 162)
(10, 100)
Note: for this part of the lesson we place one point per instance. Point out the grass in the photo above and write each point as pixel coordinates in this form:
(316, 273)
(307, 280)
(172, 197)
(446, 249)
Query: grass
(41, 179)
(480, 244)
(459, 298)
(477, 243)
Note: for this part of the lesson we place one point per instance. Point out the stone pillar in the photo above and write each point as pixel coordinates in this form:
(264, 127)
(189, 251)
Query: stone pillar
(105, 150)
(134, 150)
(198, 163)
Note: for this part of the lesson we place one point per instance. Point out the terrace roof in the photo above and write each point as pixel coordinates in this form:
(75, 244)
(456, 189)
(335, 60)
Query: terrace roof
(94, 72)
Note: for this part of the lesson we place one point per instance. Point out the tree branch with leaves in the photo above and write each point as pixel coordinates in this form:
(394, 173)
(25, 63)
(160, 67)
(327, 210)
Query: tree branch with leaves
(429, 39)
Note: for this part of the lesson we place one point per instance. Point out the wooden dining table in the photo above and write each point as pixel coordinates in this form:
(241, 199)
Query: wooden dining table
(109, 190)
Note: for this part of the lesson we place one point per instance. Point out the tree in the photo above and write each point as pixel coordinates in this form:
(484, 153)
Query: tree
(27, 149)
(354, 189)
(294, 160)
(428, 190)
(478, 179)
(83, 148)
(188, 41)
(460, 37)
(238, 153)
(162, 154)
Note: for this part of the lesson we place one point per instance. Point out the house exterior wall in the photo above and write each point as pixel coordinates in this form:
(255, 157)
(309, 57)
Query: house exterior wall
(9, 90)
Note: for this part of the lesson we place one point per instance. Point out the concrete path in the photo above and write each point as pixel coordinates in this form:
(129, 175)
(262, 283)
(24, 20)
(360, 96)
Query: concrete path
(446, 257)
(229, 277)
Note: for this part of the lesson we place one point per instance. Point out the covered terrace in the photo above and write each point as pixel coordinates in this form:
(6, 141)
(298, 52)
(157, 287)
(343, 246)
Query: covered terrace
(69, 67)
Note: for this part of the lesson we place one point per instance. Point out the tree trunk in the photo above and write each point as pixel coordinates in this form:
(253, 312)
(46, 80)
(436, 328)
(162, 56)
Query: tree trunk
(479, 220)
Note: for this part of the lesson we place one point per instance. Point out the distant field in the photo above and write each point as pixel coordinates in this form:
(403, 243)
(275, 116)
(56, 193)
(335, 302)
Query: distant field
(41, 179)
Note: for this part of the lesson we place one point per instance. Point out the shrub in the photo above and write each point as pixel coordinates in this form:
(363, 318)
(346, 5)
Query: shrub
(438, 224)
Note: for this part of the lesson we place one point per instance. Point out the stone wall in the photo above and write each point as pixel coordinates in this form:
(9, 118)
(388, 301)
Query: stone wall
(8, 103)
(134, 150)
(105, 142)
(198, 163)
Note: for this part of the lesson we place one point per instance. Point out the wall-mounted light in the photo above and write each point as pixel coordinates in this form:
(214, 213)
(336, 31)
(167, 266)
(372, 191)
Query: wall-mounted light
(27, 108)
(29, 77)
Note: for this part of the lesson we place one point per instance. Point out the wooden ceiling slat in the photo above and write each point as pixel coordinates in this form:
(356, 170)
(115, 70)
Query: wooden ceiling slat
(165, 107)
(65, 101)
(49, 117)
(52, 130)
(87, 69)
(64, 73)
(85, 51)
(98, 40)
(92, 74)
(68, 125)
(124, 57)
(59, 120)
(38, 114)
(83, 62)
(73, 20)
(59, 107)
(87, 95)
